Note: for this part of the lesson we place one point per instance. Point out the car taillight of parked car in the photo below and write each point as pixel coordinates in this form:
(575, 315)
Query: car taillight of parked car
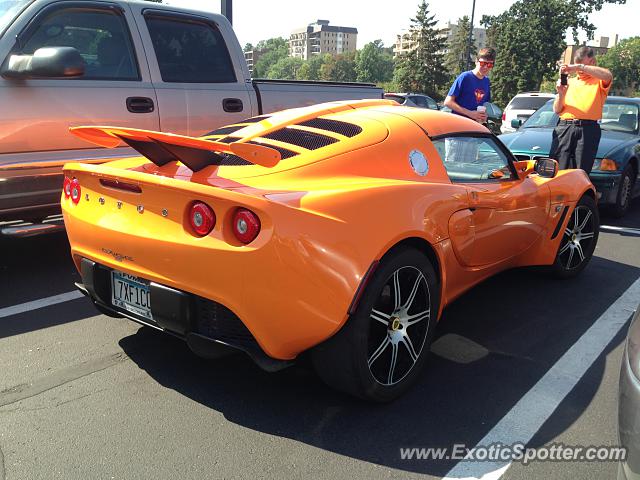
(66, 187)
(76, 191)
(504, 116)
(246, 225)
(202, 218)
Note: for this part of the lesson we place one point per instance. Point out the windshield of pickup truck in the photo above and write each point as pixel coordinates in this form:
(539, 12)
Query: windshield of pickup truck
(8, 11)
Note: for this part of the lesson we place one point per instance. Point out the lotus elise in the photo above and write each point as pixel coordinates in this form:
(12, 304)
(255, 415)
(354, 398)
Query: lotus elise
(341, 230)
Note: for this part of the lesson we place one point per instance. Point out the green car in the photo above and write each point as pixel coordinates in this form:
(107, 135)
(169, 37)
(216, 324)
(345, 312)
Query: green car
(615, 171)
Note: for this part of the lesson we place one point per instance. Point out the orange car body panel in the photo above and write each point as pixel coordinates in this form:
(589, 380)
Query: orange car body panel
(326, 215)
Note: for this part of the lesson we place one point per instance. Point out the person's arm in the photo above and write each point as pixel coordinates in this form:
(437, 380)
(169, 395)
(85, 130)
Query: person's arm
(450, 102)
(593, 70)
(558, 103)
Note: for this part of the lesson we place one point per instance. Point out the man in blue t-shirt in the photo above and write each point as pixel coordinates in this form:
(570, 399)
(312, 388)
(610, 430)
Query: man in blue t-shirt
(472, 89)
(469, 91)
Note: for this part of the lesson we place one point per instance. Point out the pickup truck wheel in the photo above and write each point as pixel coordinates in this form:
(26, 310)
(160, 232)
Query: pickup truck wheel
(579, 239)
(623, 198)
(379, 353)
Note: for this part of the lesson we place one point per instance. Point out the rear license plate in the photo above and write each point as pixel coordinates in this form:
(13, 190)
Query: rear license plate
(130, 293)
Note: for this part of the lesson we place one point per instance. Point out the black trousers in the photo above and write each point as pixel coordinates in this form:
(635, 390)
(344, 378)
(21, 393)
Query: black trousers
(575, 145)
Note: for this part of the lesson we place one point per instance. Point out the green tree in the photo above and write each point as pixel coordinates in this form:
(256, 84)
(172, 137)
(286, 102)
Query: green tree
(247, 47)
(422, 69)
(270, 51)
(458, 54)
(310, 70)
(529, 39)
(374, 63)
(285, 69)
(339, 68)
(624, 62)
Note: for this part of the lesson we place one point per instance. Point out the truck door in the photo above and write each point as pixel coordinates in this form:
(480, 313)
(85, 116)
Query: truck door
(115, 89)
(199, 84)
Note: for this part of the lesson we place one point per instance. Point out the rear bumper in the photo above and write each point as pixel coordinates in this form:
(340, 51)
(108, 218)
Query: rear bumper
(207, 326)
(30, 193)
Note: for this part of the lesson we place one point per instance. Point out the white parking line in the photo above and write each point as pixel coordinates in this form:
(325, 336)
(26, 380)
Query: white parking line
(522, 422)
(35, 304)
(613, 228)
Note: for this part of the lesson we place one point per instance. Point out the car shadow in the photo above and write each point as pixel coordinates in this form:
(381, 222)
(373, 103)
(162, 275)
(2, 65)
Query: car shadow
(525, 320)
(630, 220)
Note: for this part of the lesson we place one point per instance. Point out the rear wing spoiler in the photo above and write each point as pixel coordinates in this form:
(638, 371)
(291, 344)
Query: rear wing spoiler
(162, 148)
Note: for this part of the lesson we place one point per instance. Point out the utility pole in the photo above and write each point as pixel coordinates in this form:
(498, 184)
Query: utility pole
(226, 10)
(469, 46)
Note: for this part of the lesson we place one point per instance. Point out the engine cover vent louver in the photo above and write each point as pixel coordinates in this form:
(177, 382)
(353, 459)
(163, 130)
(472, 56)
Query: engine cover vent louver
(224, 130)
(336, 126)
(301, 138)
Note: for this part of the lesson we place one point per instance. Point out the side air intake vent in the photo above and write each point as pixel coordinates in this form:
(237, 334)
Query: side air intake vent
(308, 140)
(343, 128)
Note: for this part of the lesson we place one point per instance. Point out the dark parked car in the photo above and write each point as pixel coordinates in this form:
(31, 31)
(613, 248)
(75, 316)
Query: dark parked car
(615, 171)
(494, 117)
(629, 403)
(413, 100)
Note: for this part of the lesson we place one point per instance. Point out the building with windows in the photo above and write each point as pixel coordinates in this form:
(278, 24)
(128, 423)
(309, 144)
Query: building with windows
(319, 38)
(600, 48)
(406, 41)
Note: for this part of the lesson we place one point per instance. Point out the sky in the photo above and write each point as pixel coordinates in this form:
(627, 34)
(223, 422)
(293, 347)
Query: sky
(255, 20)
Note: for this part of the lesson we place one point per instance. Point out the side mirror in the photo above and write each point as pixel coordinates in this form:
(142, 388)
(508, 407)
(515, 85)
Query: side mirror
(47, 62)
(516, 123)
(546, 167)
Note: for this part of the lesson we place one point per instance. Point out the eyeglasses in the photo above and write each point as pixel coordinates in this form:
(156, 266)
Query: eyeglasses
(486, 64)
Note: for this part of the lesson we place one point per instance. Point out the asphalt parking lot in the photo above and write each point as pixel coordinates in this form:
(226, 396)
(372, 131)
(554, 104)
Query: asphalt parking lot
(86, 396)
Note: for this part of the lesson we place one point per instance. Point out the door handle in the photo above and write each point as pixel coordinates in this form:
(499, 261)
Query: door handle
(140, 105)
(232, 105)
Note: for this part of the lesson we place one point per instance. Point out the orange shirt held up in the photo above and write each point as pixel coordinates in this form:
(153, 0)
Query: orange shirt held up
(585, 98)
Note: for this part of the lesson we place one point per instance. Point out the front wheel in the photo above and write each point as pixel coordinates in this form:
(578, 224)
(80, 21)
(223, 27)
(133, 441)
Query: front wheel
(578, 240)
(380, 351)
(623, 198)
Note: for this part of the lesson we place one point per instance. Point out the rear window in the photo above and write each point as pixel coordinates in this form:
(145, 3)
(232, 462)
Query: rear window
(528, 103)
(396, 98)
(190, 52)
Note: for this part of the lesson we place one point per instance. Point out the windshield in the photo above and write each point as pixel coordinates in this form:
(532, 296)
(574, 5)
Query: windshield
(616, 116)
(8, 11)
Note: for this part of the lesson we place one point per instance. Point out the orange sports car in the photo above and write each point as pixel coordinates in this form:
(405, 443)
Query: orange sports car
(341, 229)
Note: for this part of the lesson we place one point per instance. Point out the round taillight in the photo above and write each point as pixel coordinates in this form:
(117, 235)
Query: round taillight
(202, 218)
(76, 191)
(246, 225)
(66, 187)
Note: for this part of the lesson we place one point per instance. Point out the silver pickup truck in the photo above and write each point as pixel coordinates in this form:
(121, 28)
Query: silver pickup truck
(137, 64)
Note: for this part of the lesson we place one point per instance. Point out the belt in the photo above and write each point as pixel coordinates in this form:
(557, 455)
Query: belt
(577, 121)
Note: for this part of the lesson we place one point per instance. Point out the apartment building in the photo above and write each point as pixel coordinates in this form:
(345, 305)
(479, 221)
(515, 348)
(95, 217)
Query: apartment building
(601, 47)
(406, 41)
(319, 38)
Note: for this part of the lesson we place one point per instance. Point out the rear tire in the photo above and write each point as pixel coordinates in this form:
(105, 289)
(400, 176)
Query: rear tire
(579, 239)
(380, 351)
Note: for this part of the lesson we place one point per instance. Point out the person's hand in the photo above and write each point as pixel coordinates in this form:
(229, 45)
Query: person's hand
(480, 117)
(564, 68)
(561, 89)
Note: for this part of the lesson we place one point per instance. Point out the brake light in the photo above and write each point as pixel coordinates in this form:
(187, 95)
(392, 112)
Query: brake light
(504, 116)
(246, 225)
(201, 218)
(66, 187)
(76, 191)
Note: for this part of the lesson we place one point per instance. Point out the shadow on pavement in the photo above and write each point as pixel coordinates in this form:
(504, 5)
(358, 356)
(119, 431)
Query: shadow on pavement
(525, 320)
